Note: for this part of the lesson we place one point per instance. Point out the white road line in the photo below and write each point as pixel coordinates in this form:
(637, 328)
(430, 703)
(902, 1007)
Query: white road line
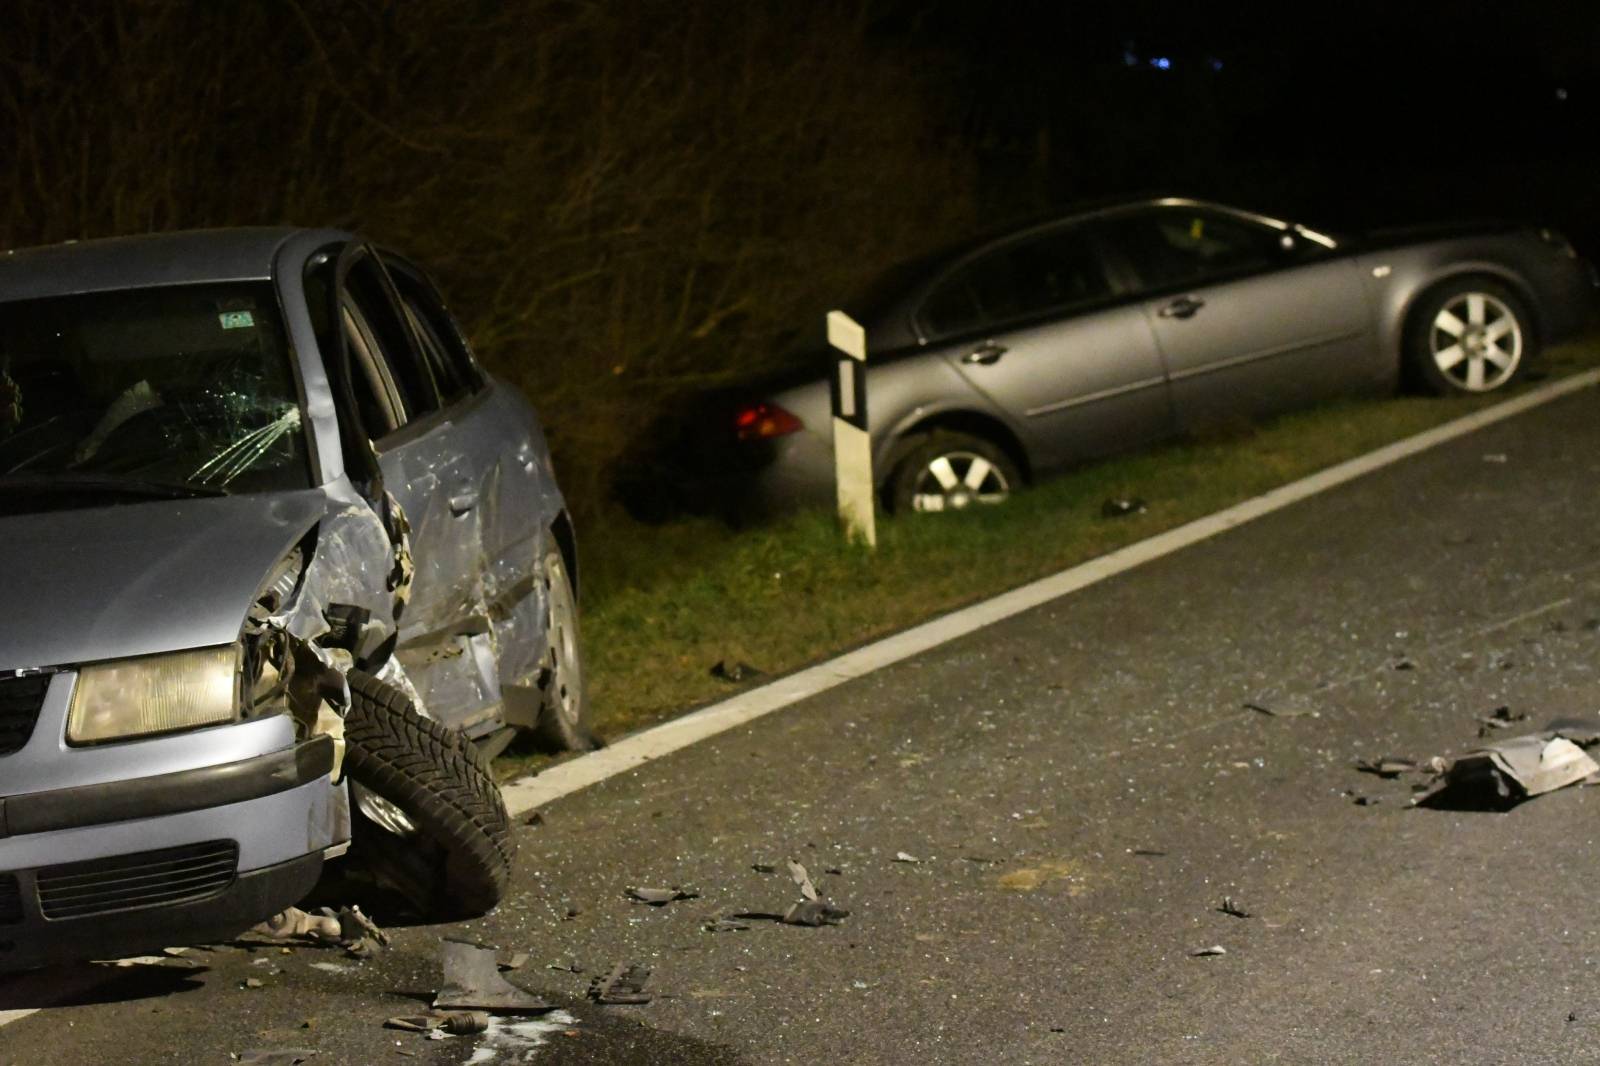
(633, 751)
(9, 1016)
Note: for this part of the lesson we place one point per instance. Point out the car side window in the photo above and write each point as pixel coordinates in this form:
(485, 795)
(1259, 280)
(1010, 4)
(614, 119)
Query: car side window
(393, 382)
(444, 348)
(1056, 271)
(1184, 246)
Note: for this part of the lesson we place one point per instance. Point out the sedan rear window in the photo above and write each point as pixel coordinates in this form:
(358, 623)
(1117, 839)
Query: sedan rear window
(174, 389)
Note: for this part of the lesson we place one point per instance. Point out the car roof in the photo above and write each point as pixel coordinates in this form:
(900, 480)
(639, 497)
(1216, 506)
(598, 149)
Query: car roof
(245, 253)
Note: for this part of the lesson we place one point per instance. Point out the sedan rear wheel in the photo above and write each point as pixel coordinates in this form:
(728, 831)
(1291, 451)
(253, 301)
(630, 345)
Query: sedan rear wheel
(952, 472)
(1470, 337)
(564, 701)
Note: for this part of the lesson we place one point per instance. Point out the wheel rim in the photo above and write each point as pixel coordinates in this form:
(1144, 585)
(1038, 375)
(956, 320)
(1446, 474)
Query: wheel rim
(381, 812)
(565, 678)
(958, 480)
(1476, 341)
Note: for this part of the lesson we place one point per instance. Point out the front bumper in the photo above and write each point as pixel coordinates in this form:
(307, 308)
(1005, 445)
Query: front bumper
(114, 868)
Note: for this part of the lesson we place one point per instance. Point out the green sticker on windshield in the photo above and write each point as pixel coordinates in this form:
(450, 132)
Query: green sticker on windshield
(236, 320)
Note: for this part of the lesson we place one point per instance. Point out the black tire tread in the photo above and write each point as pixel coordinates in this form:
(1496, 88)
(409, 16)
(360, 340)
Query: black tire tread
(445, 787)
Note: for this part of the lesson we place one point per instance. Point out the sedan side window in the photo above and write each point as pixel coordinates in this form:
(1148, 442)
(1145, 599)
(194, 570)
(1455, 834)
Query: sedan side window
(1179, 246)
(443, 345)
(1056, 271)
(393, 382)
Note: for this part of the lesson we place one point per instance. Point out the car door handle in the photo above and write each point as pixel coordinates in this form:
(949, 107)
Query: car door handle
(463, 501)
(1182, 307)
(986, 354)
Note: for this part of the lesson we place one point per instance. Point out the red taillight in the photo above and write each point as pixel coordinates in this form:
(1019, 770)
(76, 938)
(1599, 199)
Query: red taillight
(761, 421)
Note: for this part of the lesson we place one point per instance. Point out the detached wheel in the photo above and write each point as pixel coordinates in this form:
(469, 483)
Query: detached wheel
(1469, 337)
(431, 819)
(951, 471)
(563, 700)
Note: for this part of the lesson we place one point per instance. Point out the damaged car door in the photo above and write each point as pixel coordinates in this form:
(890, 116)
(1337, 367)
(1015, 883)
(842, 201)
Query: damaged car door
(432, 460)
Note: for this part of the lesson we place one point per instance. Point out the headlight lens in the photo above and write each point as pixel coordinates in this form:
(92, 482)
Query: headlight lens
(154, 694)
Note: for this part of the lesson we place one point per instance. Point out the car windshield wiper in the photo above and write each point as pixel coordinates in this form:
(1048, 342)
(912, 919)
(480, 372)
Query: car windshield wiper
(126, 486)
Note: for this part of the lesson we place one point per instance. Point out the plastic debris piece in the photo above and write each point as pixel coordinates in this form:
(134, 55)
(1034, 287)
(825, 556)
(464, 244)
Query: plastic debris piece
(1287, 711)
(1122, 507)
(660, 897)
(763, 867)
(1231, 908)
(472, 981)
(625, 984)
(456, 1023)
(534, 818)
(1214, 949)
(814, 913)
(725, 925)
(1367, 801)
(252, 982)
(901, 856)
(276, 1056)
(1389, 767)
(295, 922)
(1499, 718)
(356, 925)
(803, 880)
(734, 673)
(1405, 664)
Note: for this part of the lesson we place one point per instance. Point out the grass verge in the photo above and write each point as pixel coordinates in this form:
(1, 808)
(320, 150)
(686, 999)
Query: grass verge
(663, 604)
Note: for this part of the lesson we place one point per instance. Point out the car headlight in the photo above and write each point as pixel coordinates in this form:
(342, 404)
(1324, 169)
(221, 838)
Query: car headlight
(155, 694)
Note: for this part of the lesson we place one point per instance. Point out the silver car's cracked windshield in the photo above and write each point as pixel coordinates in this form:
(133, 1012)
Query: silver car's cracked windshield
(144, 393)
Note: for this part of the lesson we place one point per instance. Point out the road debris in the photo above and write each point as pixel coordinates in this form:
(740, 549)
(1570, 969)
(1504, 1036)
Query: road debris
(735, 673)
(472, 981)
(1404, 664)
(534, 818)
(1214, 949)
(1231, 908)
(456, 1023)
(1122, 507)
(725, 925)
(1388, 767)
(1499, 718)
(513, 960)
(660, 897)
(1502, 775)
(294, 923)
(901, 856)
(1289, 711)
(814, 913)
(763, 868)
(624, 985)
(1494, 457)
(803, 880)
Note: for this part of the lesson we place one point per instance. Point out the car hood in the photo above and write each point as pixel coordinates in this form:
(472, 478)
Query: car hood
(136, 579)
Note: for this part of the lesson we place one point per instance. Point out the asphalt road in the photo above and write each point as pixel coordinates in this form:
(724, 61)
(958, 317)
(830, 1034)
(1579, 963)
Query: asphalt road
(1081, 787)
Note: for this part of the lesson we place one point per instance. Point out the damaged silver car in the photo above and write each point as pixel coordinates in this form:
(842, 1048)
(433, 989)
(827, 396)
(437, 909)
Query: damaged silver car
(282, 567)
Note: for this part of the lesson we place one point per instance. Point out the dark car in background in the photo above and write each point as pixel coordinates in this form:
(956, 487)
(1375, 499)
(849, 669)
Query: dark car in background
(1102, 331)
(282, 564)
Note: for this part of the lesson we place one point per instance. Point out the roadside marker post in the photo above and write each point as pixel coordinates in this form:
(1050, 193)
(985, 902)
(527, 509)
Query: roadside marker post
(852, 445)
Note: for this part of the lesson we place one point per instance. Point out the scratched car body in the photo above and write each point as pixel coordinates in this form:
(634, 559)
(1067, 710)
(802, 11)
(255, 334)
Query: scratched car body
(241, 470)
(1095, 333)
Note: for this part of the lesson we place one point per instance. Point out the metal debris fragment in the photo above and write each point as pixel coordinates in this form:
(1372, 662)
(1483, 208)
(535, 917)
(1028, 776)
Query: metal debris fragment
(1214, 949)
(901, 856)
(472, 981)
(1231, 908)
(763, 867)
(725, 925)
(1388, 767)
(1499, 718)
(625, 984)
(1290, 711)
(660, 897)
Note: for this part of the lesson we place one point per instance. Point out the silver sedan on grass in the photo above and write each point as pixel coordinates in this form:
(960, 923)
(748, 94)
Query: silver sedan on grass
(282, 565)
(1010, 356)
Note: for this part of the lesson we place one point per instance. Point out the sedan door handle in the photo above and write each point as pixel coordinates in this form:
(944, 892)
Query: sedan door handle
(986, 354)
(1182, 307)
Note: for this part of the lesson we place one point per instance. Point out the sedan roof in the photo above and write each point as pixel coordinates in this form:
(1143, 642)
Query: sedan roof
(185, 257)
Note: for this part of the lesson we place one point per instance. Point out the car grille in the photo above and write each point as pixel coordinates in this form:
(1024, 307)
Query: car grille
(146, 879)
(10, 900)
(20, 700)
